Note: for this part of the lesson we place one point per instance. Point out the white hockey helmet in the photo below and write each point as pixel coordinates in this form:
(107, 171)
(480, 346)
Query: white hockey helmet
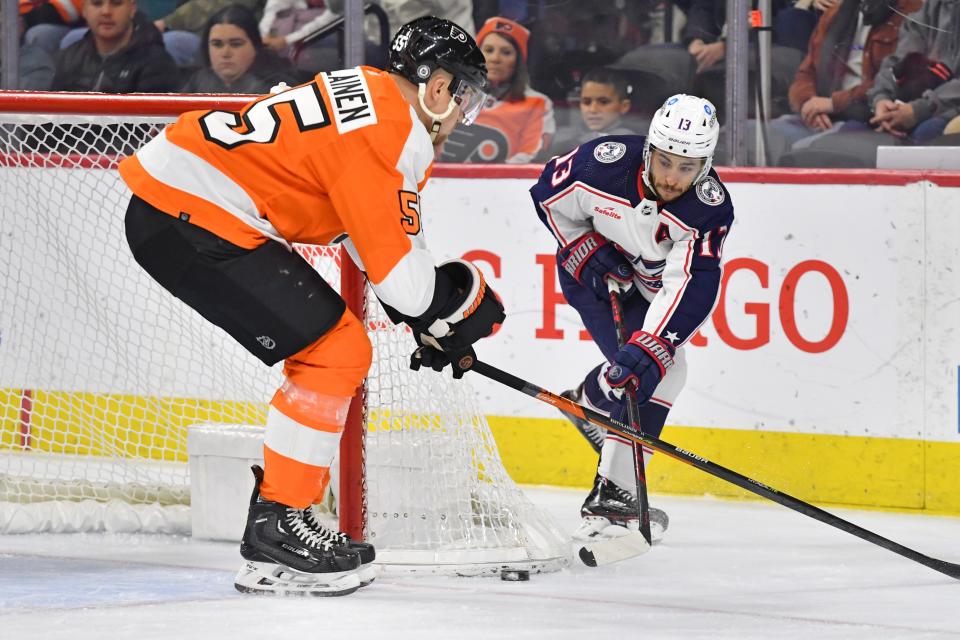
(685, 126)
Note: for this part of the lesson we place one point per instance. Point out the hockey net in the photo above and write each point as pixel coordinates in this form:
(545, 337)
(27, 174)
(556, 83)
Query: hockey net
(102, 371)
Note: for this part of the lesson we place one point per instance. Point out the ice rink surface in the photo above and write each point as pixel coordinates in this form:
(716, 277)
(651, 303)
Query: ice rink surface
(725, 570)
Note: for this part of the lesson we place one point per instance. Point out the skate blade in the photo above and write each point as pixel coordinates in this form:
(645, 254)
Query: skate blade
(610, 550)
(264, 578)
(367, 574)
(599, 528)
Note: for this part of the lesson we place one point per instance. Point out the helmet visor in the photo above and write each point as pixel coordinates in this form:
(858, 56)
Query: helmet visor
(471, 100)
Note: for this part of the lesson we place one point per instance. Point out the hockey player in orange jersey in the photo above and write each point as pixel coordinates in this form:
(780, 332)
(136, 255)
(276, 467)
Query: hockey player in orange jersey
(219, 196)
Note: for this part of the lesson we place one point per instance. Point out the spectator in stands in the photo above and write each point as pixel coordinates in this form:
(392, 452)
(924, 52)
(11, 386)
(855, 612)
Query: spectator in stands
(570, 38)
(287, 22)
(235, 60)
(122, 52)
(36, 66)
(523, 116)
(932, 34)
(604, 101)
(48, 21)
(698, 66)
(400, 12)
(183, 27)
(829, 91)
(793, 25)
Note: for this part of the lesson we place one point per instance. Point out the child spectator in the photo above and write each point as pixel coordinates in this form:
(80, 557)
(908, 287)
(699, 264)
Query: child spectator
(604, 101)
(235, 59)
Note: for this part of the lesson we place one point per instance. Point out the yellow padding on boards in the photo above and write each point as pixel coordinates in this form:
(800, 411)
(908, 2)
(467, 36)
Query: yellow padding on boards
(119, 425)
(885, 473)
(875, 472)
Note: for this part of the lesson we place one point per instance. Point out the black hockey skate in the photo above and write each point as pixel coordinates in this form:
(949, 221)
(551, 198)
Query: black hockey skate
(594, 434)
(284, 555)
(617, 507)
(364, 550)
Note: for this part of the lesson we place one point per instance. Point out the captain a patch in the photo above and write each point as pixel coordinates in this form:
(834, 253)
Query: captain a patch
(710, 192)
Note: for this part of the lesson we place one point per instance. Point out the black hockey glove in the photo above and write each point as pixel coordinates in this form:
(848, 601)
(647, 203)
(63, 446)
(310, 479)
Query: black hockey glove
(472, 311)
(640, 365)
(436, 359)
(592, 260)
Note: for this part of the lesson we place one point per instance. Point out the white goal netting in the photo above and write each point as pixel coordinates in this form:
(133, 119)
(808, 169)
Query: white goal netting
(102, 372)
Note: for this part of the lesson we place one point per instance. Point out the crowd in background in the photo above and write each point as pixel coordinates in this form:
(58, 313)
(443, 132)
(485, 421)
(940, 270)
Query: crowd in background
(846, 76)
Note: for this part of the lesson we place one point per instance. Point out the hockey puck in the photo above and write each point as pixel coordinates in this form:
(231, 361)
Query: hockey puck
(514, 575)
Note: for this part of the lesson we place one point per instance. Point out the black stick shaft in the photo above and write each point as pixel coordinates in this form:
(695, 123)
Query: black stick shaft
(751, 485)
(633, 413)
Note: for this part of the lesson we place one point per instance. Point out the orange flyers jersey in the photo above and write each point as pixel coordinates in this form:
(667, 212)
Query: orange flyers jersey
(341, 157)
(527, 124)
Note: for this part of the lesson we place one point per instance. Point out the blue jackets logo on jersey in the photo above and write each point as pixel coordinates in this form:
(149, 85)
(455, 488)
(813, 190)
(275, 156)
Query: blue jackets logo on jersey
(608, 152)
(710, 192)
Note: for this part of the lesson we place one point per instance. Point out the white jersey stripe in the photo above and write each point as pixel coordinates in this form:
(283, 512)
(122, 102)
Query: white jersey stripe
(409, 286)
(178, 168)
(577, 221)
(687, 260)
(299, 442)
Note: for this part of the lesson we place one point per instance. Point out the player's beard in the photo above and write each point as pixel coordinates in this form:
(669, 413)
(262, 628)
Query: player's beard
(666, 193)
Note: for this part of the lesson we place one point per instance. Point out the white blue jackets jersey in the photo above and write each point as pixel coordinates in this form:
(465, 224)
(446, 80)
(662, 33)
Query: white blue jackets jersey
(675, 248)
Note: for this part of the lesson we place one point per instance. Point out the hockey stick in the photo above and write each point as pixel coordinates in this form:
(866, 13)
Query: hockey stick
(640, 473)
(629, 433)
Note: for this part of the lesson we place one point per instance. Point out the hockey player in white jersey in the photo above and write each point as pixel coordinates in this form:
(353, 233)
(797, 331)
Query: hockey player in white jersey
(652, 215)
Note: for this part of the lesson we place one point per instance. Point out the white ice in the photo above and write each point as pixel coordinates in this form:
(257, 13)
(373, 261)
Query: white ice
(725, 570)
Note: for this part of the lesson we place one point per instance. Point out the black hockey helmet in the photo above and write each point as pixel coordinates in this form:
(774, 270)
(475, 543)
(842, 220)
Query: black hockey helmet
(426, 44)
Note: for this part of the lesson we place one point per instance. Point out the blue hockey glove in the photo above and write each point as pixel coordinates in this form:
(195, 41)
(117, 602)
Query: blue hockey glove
(640, 365)
(591, 259)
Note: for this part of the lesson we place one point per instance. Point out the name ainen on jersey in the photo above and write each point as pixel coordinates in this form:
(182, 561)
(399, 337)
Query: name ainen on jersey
(352, 104)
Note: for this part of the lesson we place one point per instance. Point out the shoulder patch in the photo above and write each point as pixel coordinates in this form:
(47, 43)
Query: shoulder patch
(608, 152)
(710, 192)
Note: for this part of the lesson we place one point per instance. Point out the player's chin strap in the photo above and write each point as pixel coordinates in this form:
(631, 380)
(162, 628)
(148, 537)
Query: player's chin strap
(648, 187)
(438, 118)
